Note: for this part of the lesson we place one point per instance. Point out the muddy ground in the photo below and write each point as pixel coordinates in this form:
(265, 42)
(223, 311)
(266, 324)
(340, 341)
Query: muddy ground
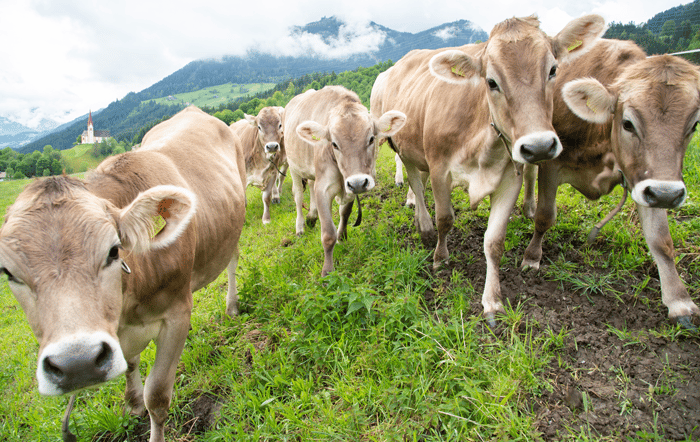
(645, 386)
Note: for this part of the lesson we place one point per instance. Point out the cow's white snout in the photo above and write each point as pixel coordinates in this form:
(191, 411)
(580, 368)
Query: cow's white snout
(79, 361)
(660, 194)
(536, 147)
(359, 183)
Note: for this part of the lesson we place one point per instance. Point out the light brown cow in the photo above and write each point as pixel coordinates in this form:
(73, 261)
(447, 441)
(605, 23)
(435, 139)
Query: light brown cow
(263, 142)
(474, 113)
(625, 119)
(95, 281)
(331, 142)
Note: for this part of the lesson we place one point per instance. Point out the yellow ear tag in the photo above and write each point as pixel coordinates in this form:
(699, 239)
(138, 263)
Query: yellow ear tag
(158, 225)
(590, 106)
(574, 45)
(458, 72)
(387, 129)
(315, 138)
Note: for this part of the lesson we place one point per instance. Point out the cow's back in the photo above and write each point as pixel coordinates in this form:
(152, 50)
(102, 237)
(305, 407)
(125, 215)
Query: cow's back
(584, 142)
(198, 152)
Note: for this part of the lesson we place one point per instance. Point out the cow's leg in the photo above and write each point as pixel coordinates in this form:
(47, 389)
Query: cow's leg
(422, 218)
(266, 199)
(232, 294)
(159, 384)
(133, 394)
(328, 233)
(398, 175)
(503, 201)
(674, 294)
(345, 212)
(277, 190)
(529, 176)
(410, 196)
(444, 215)
(545, 215)
(298, 191)
(312, 215)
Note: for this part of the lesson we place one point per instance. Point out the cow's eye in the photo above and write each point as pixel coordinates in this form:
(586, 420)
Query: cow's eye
(113, 255)
(553, 72)
(335, 146)
(628, 126)
(371, 141)
(10, 277)
(492, 84)
(694, 128)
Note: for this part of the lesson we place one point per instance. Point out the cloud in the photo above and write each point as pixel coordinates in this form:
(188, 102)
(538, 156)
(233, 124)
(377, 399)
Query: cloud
(446, 33)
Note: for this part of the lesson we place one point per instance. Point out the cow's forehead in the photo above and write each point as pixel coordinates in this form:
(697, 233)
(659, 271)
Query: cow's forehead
(518, 44)
(268, 116)
(350, 121)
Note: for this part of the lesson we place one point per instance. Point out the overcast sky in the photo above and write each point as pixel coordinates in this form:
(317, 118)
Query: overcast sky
(61, 58)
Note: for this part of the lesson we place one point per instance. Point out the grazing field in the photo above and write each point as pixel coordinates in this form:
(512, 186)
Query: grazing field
(215, 95)
(384, 349)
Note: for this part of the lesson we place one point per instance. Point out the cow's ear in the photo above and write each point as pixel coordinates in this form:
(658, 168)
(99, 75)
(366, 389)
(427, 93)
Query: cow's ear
(455, 67)
(388, 124)
(312, 132)
(589, 100)
(578, 36)
(251, 120)
(156, 218)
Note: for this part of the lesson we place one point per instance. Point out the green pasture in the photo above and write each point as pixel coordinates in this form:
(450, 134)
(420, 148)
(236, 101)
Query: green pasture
(215, 95)
(357, 356)
(80, 158)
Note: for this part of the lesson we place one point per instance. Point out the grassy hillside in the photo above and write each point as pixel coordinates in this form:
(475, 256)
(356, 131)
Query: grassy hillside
(384, 349)
(80, 158)
(216, 95)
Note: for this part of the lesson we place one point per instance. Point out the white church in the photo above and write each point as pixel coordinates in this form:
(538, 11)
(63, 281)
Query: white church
(91, 136)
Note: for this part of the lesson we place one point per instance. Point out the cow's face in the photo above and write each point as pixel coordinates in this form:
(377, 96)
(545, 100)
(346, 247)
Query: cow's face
(352, 136)
(516, 70)
(61, 248)
(654, 107)
(270, 132)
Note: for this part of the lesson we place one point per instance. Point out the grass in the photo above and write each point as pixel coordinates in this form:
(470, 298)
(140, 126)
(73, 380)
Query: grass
(358, 355)
(80, 158)
(215, 95)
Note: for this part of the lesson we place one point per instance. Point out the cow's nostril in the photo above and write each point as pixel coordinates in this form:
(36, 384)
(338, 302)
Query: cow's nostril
(104, 359)
(52, 369)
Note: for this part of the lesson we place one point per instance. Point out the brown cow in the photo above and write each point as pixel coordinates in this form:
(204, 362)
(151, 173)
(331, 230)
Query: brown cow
(625, 119)
(96, 278)
(474, 113)
(263, 142)
(331, 142)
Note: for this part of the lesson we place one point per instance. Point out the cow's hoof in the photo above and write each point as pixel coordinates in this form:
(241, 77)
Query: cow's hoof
(687, 323)
(310, 222)
(529, 267)
(491, 321)
(275, 200)
(399, 185)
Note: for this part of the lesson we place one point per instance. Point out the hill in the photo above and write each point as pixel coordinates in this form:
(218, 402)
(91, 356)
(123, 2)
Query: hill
(124, 118)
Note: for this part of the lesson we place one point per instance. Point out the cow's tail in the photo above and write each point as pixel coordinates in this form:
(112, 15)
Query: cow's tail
(358, 221)
(604, 221)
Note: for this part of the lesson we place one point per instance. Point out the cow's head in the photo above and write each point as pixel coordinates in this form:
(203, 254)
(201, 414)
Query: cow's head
(517, 68)
(270, 132)
(352, 135)
(654, 107)
(62, 250)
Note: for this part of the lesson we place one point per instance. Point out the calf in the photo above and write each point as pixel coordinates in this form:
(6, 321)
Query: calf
(625, 119)
(331, 141)
(474, 115)
(262, 139)
(103, 266)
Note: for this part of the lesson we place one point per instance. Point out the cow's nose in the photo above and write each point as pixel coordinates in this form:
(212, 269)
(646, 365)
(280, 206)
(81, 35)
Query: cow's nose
(536, 152)
(664, 197)
(272, 147)
(359, 183)
(82, 367)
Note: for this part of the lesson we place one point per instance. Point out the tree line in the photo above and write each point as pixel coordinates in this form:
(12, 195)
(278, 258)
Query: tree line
(17, 165)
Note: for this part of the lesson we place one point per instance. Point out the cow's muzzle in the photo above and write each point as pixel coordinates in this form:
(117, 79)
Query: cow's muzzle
(359, 183)
(537, 147)
(79, 361)
(660, 194)
(272, 147)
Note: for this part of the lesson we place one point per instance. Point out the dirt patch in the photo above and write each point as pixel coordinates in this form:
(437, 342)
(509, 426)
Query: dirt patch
(621, 370)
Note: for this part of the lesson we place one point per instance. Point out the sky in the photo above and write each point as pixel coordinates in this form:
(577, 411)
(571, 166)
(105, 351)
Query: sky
(61, 58)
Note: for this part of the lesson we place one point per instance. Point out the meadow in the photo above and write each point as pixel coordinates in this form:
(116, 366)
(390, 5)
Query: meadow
(385, 349)
(216, 95)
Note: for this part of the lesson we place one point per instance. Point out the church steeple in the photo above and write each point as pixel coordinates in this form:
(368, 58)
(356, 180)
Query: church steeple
(90, 130)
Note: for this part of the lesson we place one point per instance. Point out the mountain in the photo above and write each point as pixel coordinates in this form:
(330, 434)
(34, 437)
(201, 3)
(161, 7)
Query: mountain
(344, 48)
(14, 134)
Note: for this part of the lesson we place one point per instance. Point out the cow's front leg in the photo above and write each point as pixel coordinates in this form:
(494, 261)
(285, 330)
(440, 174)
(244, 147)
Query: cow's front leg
(267, 199)
(529, 178)
(328, 233)
(277, 189)
(444, 215)
(312, 215)
(398, 175)
(232, 294)
(422, 218)
(298, 191)
(545, 215)
(345, 212)
(159, 384)
(133, 394)
(503, 201)
(674, 294)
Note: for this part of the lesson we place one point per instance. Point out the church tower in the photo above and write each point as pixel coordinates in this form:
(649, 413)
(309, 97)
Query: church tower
(90, 130)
